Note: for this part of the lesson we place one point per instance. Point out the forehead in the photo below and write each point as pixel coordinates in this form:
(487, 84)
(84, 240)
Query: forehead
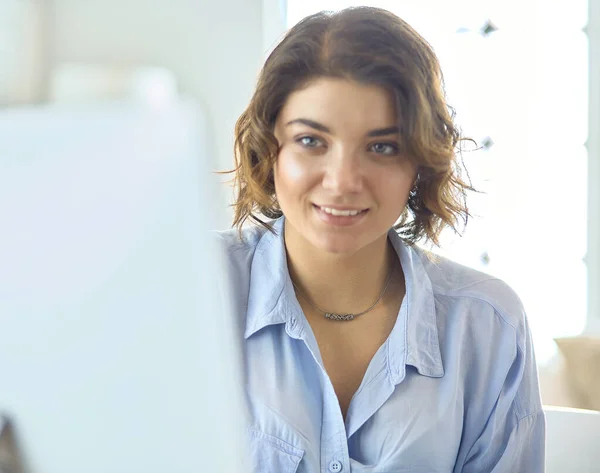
(341, 102)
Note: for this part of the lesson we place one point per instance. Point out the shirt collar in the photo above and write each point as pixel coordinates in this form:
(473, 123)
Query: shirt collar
(414, 339)
(416, 329)
(268, 278)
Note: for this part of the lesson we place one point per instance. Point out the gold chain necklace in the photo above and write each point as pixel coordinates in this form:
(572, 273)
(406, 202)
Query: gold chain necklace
(346, 317)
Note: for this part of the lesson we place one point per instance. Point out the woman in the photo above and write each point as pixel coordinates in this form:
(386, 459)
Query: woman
(363, 352)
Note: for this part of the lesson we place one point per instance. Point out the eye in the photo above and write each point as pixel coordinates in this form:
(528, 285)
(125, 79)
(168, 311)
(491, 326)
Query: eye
(387, 149)
(309, 142)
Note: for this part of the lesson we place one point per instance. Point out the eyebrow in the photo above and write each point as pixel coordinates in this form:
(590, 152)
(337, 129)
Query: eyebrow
(392, 130)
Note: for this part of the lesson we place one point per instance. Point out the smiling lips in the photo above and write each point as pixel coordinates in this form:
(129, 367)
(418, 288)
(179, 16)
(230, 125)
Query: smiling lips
(341, 212)
(340, 215)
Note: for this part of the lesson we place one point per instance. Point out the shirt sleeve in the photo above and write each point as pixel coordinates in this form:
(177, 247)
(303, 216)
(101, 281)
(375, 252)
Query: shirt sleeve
(514, 434)
(523, 453)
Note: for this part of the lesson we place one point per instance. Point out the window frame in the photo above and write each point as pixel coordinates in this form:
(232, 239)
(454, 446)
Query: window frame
(593, 148)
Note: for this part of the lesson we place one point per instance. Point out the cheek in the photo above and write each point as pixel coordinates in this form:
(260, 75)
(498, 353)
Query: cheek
(291, 172)
(396, 185)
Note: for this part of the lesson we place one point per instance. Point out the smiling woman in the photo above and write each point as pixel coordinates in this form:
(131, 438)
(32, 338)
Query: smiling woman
(420, 120)
(340, 178)
(362, 351)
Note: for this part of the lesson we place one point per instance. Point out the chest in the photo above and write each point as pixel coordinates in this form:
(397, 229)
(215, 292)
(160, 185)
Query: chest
(390, 426)
(347, 351)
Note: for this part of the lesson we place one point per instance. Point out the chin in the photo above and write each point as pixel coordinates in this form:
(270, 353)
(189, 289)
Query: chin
(337, 244)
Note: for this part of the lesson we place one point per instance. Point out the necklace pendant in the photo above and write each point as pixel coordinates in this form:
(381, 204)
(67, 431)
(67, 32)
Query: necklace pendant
(344, 317)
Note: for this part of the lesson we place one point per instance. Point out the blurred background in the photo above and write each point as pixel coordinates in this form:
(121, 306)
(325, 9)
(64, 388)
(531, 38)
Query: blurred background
(112, 114)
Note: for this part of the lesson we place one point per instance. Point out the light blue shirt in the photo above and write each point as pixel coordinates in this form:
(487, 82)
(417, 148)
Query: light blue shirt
(454, 388)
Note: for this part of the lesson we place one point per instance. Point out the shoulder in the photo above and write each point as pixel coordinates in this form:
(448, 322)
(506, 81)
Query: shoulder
(460, 285)
(235, 244)
(237, 250)
(235, 254)
(482, 325)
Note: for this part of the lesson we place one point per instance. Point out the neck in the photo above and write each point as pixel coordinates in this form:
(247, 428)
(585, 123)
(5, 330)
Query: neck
(348, 283)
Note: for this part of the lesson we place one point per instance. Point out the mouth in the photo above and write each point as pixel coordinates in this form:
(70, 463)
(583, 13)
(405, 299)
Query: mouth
(340, 216)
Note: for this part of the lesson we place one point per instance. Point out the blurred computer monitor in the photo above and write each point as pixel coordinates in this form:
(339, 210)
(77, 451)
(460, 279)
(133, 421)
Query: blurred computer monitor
(116, 351)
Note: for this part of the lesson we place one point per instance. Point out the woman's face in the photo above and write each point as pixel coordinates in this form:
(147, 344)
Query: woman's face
(340, 179)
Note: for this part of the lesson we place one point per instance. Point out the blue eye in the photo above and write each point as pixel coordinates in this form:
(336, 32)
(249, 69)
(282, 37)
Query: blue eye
(388, 149)
(309, 141)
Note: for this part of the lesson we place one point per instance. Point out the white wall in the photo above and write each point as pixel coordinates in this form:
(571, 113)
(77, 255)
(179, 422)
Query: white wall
(215, 48)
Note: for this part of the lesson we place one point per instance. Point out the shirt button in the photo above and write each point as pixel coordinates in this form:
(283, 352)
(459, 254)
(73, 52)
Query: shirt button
(335, 466)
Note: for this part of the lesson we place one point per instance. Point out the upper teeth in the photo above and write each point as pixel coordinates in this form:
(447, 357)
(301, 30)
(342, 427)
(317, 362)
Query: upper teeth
(340, 212)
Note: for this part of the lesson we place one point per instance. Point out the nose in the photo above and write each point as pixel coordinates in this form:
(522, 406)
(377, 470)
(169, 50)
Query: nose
(343, 172)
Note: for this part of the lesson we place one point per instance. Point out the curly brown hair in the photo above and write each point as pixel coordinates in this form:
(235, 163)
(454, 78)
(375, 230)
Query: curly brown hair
(371, 46)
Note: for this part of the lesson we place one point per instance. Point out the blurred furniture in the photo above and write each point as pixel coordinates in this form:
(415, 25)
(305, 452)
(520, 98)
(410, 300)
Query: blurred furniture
(11, 458)
(571, 378)
(572, 440)
(582, 369)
